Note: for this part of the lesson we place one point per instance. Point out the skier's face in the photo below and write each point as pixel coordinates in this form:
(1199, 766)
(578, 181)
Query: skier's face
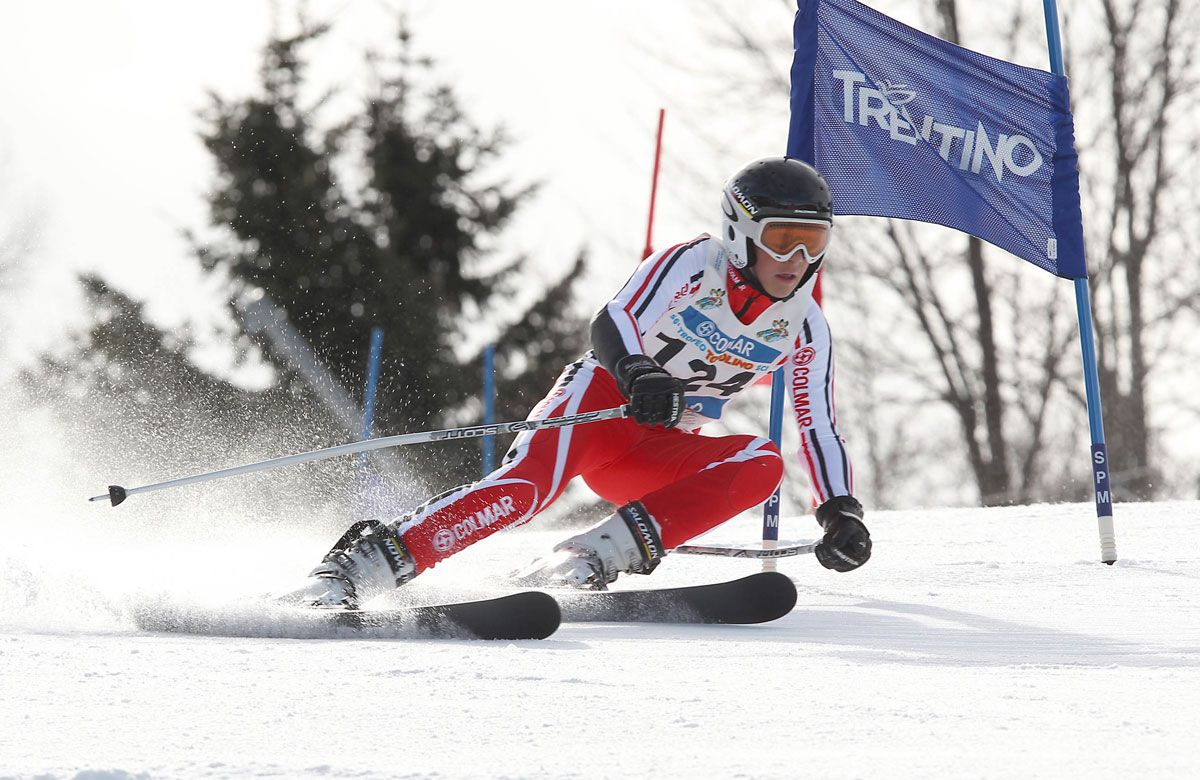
(778, 279)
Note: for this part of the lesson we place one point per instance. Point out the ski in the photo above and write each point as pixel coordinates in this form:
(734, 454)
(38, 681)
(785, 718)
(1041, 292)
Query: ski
(758, 598)
(524, 615)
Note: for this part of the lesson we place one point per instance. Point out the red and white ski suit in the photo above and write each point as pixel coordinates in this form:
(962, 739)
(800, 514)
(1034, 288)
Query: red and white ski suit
(687, 307)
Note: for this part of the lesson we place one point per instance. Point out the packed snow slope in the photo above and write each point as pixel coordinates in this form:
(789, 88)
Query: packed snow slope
(976, 643)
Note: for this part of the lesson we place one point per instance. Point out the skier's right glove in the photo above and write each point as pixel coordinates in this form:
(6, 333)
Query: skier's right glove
(655, 397)
(847, 542)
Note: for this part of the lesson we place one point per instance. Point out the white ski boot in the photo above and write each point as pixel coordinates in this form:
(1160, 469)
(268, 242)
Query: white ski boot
(367, 561)
(626, 542)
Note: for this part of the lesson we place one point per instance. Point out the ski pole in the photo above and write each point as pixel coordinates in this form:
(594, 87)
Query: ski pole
(116, 494)
(769, 553)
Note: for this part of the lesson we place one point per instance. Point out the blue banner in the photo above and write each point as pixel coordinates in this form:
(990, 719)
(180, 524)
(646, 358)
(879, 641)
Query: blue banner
(906, 125)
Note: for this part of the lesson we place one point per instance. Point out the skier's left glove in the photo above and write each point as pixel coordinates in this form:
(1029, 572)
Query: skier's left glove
(847, 542)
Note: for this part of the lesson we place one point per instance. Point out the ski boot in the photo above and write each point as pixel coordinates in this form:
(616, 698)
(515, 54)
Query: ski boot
(367, 561)
(627, 541)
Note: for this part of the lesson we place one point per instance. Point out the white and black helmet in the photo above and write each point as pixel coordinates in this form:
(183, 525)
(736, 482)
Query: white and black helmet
(781, 205)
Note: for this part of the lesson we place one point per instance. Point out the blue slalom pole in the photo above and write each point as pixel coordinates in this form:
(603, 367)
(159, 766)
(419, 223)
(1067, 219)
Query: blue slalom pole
(489, 406)
(373, 359)
(374, 356)
(362, 465)
(770, 528)
(1091, 375)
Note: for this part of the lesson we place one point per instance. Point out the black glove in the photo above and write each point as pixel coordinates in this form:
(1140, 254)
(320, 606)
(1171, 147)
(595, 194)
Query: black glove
(655, 397)
(847, 542)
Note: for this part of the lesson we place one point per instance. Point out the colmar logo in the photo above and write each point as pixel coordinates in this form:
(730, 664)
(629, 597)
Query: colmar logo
(443, 540)
(696, 328)
(446, 538)
(484, 518)
(887, 106)
(801, 401)
(804, 356)
(720, 342)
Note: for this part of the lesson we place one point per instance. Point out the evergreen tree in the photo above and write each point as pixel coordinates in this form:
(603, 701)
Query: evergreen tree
(406, 250)
(536, 347)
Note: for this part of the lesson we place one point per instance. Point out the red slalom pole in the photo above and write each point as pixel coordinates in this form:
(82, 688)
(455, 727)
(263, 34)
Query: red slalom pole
(654, 185)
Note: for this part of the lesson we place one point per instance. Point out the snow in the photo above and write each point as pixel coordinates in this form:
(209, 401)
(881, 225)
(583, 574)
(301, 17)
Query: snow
(976, 643)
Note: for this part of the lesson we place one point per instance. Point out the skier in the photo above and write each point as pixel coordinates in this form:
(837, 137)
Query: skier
(695, 325)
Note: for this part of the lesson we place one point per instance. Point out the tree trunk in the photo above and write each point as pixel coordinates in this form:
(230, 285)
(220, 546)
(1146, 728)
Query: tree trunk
(1135, 476)
(994, 484)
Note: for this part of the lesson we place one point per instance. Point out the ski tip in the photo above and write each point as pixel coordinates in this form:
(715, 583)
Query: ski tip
(539, 615)
(768, 595)
(551, 613)
(756, 598)
(529, 614)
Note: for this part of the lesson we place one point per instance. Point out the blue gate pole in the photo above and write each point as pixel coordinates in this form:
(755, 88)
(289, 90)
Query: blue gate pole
(489, 406)
(1091, 376)
(770, 528)
(362, 464)
(373, 359)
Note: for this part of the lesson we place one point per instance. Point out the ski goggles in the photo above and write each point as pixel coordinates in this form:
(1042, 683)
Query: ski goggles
(781, 238)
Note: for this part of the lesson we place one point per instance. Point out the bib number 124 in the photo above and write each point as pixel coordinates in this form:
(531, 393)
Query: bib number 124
(705, 372)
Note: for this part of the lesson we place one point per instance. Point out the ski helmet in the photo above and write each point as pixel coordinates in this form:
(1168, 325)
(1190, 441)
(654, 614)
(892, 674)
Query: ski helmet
(781, 205)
